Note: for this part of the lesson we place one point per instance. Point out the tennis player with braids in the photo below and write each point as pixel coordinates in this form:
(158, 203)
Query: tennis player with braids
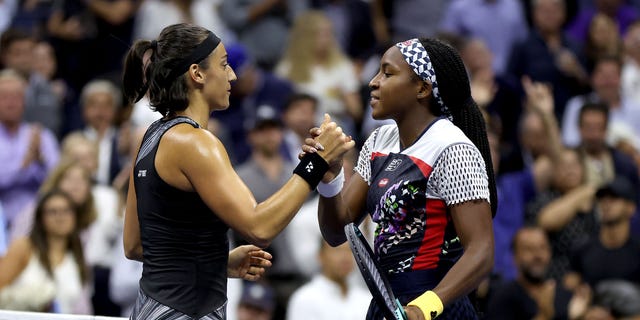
(427, 182)
(183, 192)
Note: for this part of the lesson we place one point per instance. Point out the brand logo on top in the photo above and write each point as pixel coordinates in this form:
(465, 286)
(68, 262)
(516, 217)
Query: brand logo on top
(393, 165)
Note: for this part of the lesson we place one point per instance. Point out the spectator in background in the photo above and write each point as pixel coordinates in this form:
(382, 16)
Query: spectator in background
(299, 116)
(265, 173)
(500, 24)
(100, 100)
(29, 151)
(41, 102)
(352, 26)
(603, 40)
(257, 301)
(114, 21)
(340, 299)
(565, 211)
(316, 65)
(495, 95)
(398, 20)
(255, 91)
(75, 180)
(623, 114)
(72, 29)
(532, 295)
(45, 64)
(52, 251)
(154, 15)
(630, 77)
(516, 189)
(602, 162)
(621, 298)
(613, 252)
(262, 26)
(548, 55)
(622, 13)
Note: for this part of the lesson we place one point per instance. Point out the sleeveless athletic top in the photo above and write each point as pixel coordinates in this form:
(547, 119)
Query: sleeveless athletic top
(411, 189)
(185, 245)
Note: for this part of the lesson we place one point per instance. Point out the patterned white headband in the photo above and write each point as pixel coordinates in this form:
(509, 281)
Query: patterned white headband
(418, 58)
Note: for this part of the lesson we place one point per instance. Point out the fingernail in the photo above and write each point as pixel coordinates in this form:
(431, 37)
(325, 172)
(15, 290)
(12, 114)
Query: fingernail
(313, 150)
(319, 146)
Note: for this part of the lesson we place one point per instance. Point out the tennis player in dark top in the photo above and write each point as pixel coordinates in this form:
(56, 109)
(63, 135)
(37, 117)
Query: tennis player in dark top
(427, 181)
(183, 192)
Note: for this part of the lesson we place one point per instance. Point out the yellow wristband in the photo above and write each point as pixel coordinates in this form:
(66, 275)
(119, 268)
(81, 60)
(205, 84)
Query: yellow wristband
(429, 303)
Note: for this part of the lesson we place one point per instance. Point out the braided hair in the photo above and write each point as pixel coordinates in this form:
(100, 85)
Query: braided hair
(456, 94)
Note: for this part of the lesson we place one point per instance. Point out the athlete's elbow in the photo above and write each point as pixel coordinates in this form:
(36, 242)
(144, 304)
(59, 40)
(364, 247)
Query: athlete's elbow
(133, 253)
(260, 239)
(333, 239)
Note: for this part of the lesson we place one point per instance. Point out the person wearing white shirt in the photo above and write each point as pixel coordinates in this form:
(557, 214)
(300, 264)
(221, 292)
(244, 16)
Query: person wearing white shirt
(329, 295)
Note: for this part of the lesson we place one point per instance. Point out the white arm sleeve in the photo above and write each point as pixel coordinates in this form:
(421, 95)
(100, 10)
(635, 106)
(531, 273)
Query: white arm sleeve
(460, 175)
(363, 167)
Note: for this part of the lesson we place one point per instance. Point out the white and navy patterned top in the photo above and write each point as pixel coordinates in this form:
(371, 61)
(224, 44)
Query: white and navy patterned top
(411, 189)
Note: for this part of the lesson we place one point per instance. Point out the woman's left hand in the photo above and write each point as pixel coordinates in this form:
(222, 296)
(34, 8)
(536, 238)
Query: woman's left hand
(248, 262)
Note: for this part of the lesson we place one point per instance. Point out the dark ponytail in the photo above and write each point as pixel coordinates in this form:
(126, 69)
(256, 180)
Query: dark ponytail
(134, 79)
(455, 91)
(166, 93)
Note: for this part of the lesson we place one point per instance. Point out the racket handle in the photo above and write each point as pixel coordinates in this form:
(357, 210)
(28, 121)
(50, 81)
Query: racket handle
(399, 312)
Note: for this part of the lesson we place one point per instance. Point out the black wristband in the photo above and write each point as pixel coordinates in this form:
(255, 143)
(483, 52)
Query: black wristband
(311, 168)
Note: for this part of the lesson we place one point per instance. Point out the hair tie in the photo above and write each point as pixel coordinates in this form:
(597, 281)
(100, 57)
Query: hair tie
(417, 57)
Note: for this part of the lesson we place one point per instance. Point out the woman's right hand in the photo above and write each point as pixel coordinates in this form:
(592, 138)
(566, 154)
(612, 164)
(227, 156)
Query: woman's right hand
(330, 143)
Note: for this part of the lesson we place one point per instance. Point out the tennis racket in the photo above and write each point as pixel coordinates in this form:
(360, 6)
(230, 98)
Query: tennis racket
(375, 280)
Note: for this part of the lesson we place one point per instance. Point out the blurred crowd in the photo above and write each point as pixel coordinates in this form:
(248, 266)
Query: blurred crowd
(558, 83)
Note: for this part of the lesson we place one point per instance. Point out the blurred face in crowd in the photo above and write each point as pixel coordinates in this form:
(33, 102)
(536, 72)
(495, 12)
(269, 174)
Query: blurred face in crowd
(300, 117)
(336, 262)
(58, 216)
(614, 210)
(84, 152)
(12, 91)
(606, 81)
(477, 56)
(44, 60)
(632, 41)
(569, 171)
(548, 15)
(533, 134)
(324, 38)
(19, 56)
(99, 110)
(266, 140)
(603, 32)
(593, 131)
(76, 183)
(532, 254)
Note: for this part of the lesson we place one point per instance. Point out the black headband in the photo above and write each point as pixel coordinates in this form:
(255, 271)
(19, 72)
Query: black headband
(199, 53)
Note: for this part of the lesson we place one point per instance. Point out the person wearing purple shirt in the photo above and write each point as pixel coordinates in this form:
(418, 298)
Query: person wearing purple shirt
(27, 151)
(499, 23)
(622, 13)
